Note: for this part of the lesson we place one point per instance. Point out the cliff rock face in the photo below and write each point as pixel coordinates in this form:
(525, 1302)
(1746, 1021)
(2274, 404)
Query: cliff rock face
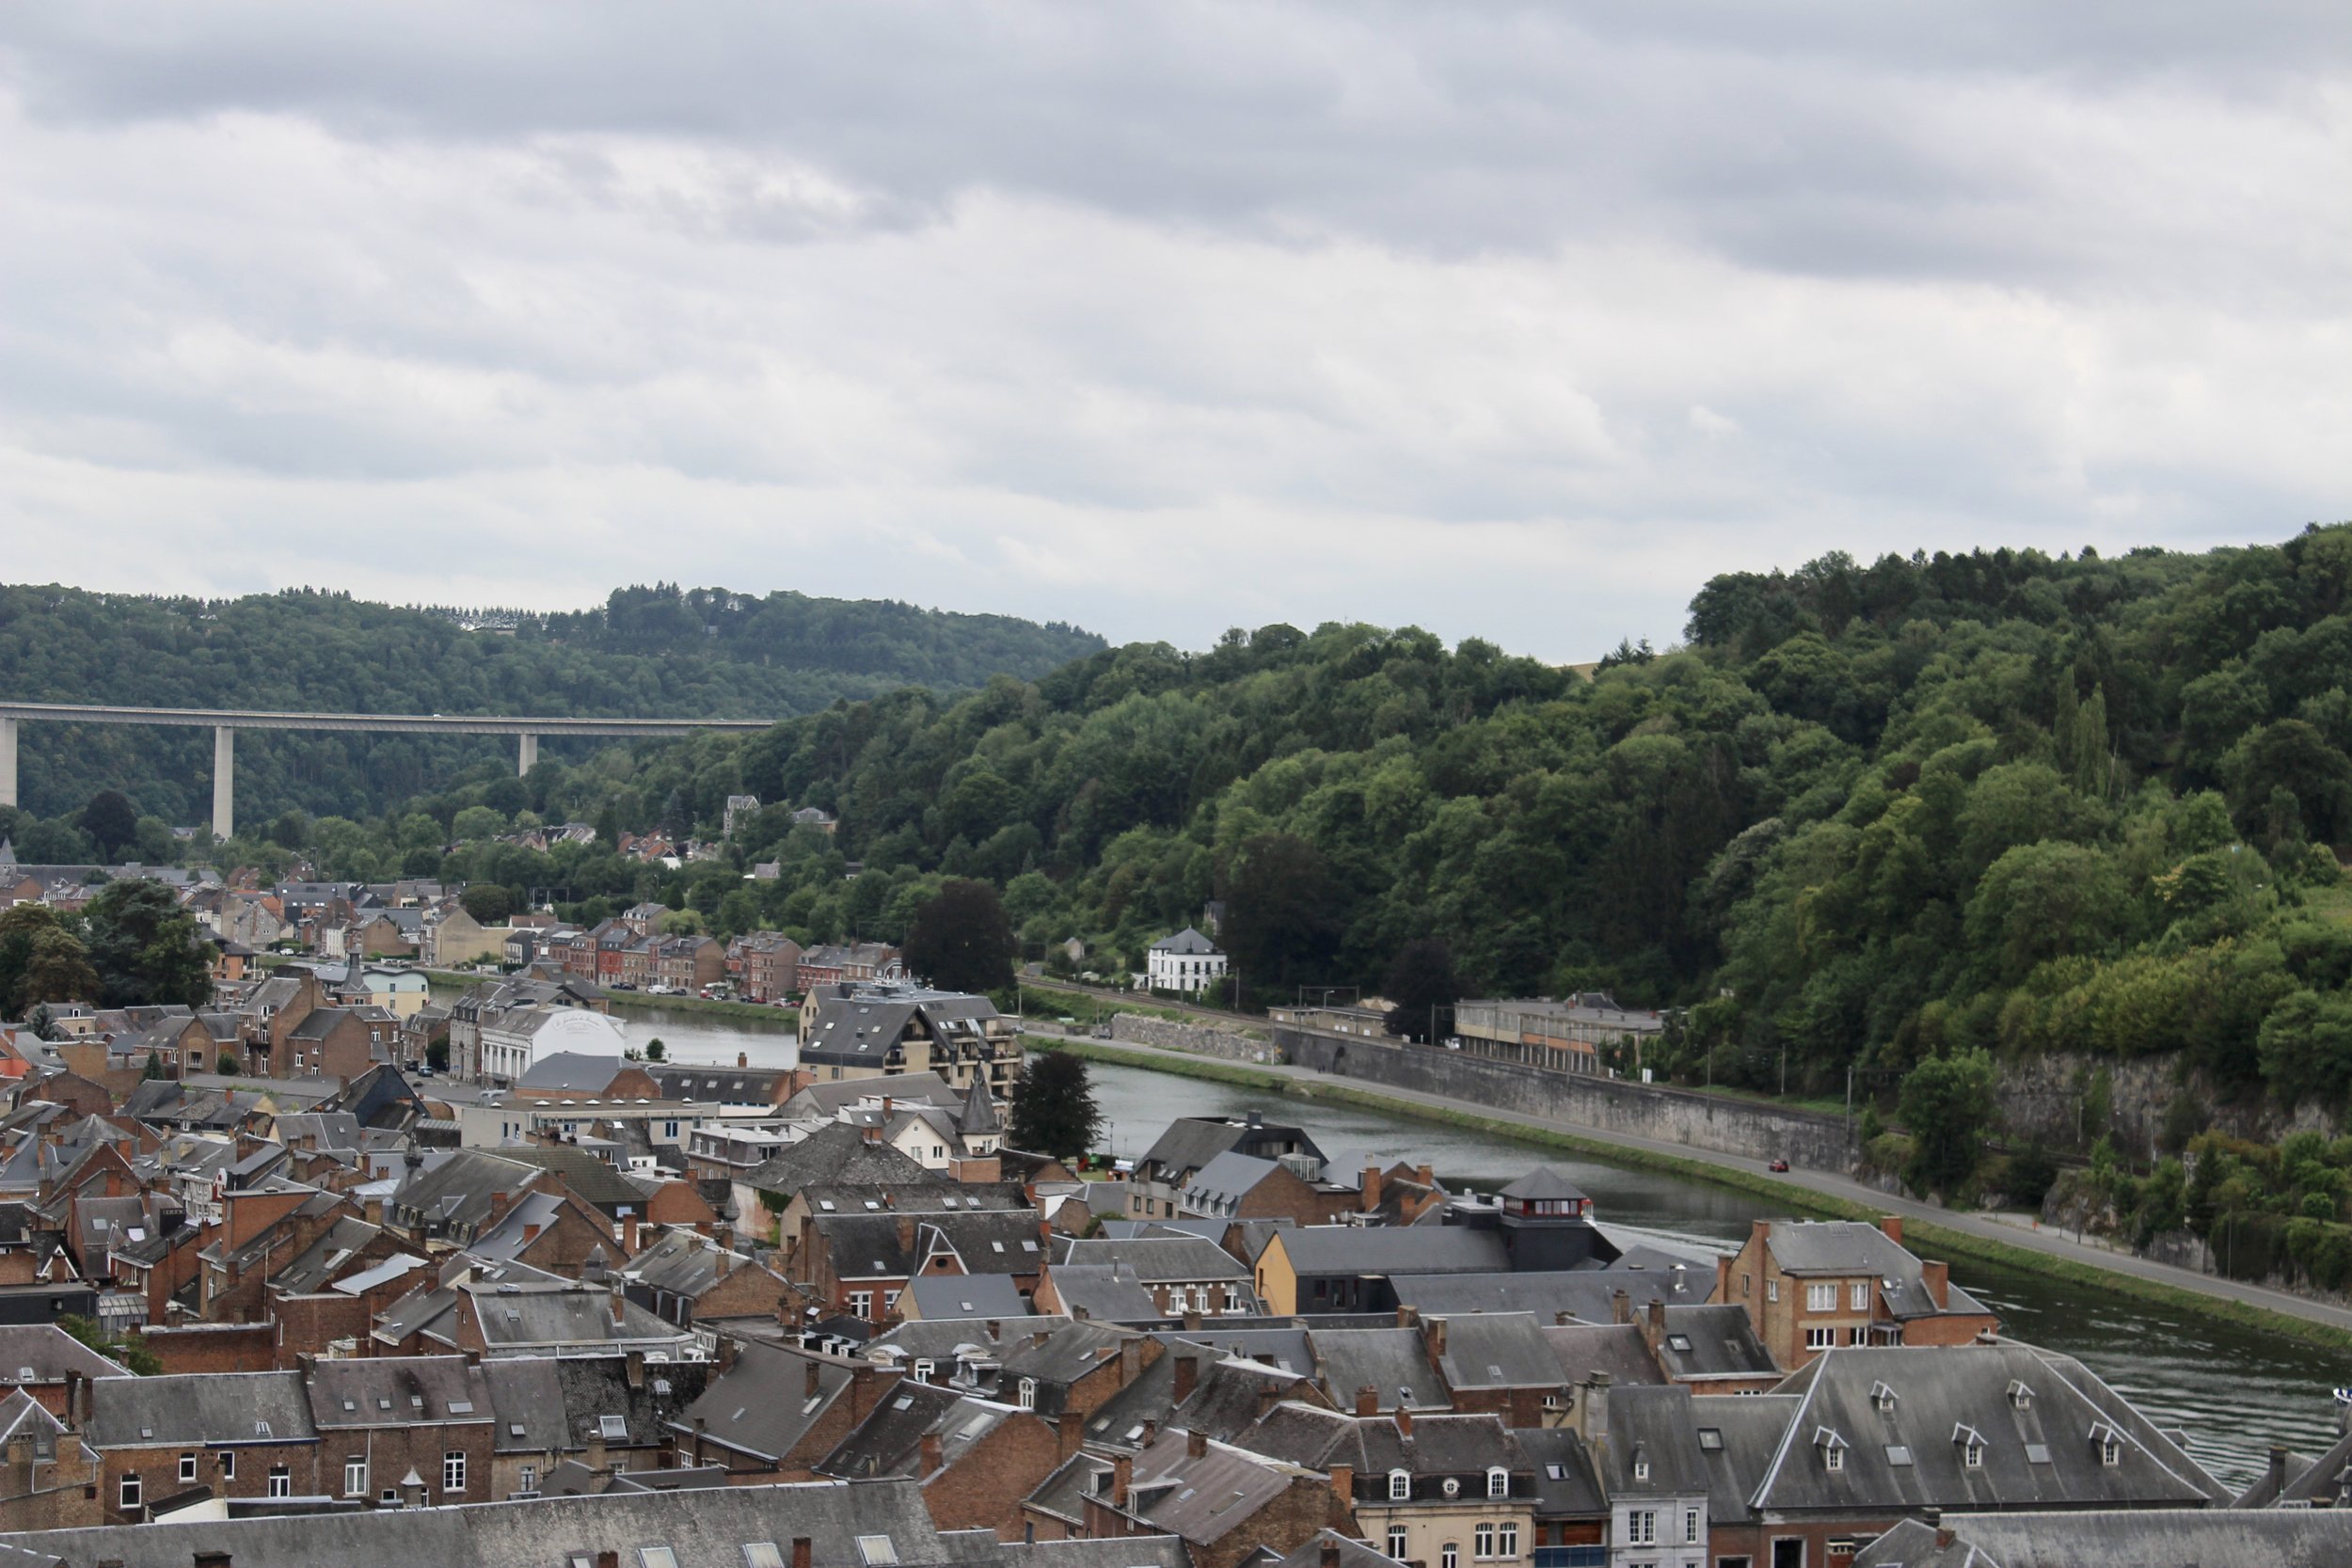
(2043, 1098)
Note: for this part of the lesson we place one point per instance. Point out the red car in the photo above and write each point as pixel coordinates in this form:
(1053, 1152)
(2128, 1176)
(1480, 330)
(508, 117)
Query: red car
(1777, 1165)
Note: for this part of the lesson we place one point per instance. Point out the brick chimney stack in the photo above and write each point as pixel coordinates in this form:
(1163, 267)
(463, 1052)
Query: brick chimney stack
(1367, 1400)
(1892, 1224)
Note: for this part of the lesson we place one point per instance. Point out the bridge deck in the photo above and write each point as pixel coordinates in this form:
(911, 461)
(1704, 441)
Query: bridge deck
(412, 723)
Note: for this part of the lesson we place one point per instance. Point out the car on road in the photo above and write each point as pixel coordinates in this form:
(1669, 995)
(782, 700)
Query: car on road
(1777, 1165)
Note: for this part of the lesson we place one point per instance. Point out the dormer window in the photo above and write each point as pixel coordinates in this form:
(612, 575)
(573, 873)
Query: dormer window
(1971, 1446)
(1400, 1487)
(1882, 1397)
(2110, 1444)
(1498, 1482)
(1832, 1448)
(1029, 1393)
(2020, 1396)
(1641, 1467)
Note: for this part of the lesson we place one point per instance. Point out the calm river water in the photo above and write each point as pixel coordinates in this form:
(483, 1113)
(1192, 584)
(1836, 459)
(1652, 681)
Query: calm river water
(2233, 1391)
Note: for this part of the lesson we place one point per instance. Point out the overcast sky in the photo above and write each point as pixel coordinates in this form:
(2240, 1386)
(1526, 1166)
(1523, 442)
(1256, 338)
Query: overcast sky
(1513, 322)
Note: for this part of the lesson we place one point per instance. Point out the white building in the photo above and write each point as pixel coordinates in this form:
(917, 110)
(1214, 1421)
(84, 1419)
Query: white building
(1187, 961)
(516, 1038)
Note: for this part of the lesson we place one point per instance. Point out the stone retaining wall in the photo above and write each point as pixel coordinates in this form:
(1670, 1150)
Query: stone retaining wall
(1227, 1044)
(1605, 1106)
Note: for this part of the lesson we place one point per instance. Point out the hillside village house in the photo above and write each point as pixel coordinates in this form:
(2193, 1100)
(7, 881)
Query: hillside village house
(1814, 1284)
(1187, 961)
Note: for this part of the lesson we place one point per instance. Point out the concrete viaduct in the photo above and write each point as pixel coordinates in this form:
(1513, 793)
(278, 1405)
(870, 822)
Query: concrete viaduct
(226, 722)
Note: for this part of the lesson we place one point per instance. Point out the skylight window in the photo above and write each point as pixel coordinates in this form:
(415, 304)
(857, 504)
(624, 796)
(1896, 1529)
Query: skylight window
(1680, 1343)
(762, 1554)
(612, 1426)
(877, 1551)
(1711, 1439)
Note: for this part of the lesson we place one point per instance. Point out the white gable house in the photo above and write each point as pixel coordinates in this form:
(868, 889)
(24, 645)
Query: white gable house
(1187, 961)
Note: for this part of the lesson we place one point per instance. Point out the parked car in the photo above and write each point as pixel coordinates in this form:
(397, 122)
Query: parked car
(1777, 1165)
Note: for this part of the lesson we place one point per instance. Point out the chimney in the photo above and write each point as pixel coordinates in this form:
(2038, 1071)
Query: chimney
(872, 1135)
(633, 1368)
(906, 1232)
(1893, 1225)
(931, 1458)
(1424, 1176)
(743, 1060)
(800, 1551)
(2278, 1469)
(620, 1305)
(1942, 1536)
(1562, 1318)
(1122, 1477)
(1343, 1485)
(1592, 1413)
(473, 1356)
(72, 1397)
(1151, 1431)
(1723, 1278)
(1187, 1372)
(1329, 1556)
(1437, 1337)
(1939, 1282)
(1269, 1394)
(1371, 1188)
(88, 1398)
(629, 1231)
(1130, 1360)
(1654, 1329)
(1407, 1317)
(729, 1348)
(1620, 1306)
(595, 1456)
(1197, 1444)
(1404, 1421)
(812, 1385)
(1192, 1320)
(1367, 1400)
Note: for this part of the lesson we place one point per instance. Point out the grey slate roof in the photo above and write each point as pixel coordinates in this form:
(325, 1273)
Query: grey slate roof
(939, 1297)
(1107, 1292)
(1580, 1350)
(761, 1405)
(1581, 1293)
(1328, 1249)
(49, 1352)
(1161, 1259)
(200, 1410)
(1391, 1360)
(2038, 1452)
(2136, 1538)
(705, 1527)
(1657, 1427)
(838, 1154)
(1542, 1184)
(1738, 1438)
(1498, 1350)
(1566, 1485)
(1853, 1248)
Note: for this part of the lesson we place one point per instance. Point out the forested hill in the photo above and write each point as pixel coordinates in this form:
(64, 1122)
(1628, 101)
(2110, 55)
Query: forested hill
(649, 650)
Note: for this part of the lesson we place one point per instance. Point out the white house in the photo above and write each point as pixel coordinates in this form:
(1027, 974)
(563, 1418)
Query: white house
(1187, 961)
(516, 1038)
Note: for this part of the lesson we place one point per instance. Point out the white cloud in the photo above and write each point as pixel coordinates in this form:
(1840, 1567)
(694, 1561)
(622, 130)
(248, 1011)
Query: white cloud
(1158, 320)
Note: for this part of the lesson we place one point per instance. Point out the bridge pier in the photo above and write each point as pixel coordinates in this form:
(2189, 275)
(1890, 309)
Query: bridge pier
(7, 761)
(224, 782)
(526, 757)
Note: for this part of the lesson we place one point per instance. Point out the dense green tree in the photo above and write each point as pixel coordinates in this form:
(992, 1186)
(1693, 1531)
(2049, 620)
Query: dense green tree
(962, 939)
(41, 960)
(1054, 1110)
(1283, 914)
(1422, 984)
(488, 902)
(111, 821)
(145, 947)
(1946, 1108)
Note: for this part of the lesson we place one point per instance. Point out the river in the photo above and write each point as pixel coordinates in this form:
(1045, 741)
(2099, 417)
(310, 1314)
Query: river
(2232, 1391)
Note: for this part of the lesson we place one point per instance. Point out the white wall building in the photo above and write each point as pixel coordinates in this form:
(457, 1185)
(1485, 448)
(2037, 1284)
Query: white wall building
(519, 1036)
(1187, 961)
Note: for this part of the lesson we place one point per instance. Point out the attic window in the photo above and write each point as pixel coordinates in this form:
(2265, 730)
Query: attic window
(1883, 1397)
(1560, 1472)
(1897, 1456)
(1971, 1446)
(1678, 1343)
(826, 1204)
(514, 1429)
(612, 1426)
(260, 1429)
(2037, 1453)
(1710, 1438)
(1641, 1466)
(762, 1554)
(2020, 1395)
(655, 1557)
(461, 1407)
(877, 1551)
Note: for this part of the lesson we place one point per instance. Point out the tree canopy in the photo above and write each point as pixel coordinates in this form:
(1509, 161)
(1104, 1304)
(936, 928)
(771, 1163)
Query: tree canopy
(1054, 1110)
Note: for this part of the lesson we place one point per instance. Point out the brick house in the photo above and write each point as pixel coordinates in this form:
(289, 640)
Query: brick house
(241, 1435)
(48, 1477)
(396, 1431)
(766, 965)
(1813, 1284)
(690, 962)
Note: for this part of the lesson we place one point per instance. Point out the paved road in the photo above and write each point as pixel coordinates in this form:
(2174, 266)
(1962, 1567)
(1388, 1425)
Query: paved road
(2049, 1243)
